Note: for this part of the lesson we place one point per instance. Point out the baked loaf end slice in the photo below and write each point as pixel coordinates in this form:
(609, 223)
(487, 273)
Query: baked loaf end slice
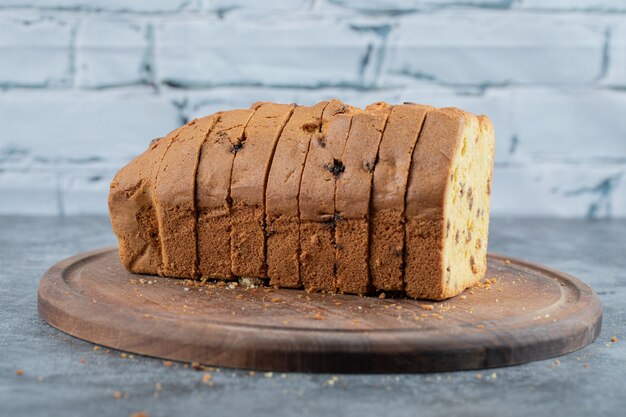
(248, 184)
(132, 209)
(281, 197)
(213, 192)
(389, 188)
(447, 204)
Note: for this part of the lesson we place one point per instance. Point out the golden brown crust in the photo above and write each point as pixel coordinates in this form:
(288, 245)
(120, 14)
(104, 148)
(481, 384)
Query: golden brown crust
(248, 182)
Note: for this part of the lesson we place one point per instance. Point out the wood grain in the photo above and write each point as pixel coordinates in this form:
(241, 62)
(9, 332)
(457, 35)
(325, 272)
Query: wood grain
(529, 313)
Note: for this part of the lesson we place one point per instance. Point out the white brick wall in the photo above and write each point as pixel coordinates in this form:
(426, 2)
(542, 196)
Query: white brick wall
(85, 85)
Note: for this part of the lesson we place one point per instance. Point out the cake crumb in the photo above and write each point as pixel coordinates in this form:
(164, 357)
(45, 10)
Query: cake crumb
(168, 363)
(555, 363)
(276, 300)
(268, 374)
(19, 372)
(207, 379)
(382, 295)
(97, 348)
(140, 414)
(494, 376)
(613, 339)
(117, 395)
(317, 316)
(478, 376)
(251, 373)
(124, 355)
(427, 307)
(332, 381)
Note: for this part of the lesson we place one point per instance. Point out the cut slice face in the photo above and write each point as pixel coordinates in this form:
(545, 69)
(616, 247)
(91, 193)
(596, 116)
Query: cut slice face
(175, 199)
(248, 183)
(352, 198)
(389, 189)
(317, 198)
(283, 188)
(133, 214)
(213, 192)
(447, 204)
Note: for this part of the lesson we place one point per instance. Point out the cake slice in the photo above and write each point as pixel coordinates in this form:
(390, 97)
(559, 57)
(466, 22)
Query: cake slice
(389, 189)
(248, 182)
(352, 198)
(132, 210)
(175, 199)
(213, 192)
(447, 204)
(281, 197)
(317, 198)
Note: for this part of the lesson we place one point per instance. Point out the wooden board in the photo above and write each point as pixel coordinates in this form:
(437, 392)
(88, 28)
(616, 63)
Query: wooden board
(529, 313)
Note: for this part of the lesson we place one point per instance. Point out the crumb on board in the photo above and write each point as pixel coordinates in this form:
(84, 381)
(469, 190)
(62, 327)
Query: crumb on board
(268, 374)
(97, 348)
(613, 339)
(140, 414)
(382, 295)
(427, 307)
(168, 363)
(19, 372)
(317, 316)
(117, 395)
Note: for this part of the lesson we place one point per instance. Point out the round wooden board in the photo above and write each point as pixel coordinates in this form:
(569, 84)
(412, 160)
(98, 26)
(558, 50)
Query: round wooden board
(529, 313)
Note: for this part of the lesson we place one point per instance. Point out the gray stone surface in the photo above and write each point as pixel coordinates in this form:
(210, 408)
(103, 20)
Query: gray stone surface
(588, 382)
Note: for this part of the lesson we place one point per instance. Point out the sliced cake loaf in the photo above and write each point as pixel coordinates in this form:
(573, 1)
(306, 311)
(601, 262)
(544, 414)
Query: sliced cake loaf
(317, 198)
(213, 192)
(352, 198)
(447, 204)
(281, 197)
(328, 197)
(248, 182)
(175, 199)
(389, 188)
(132, 210)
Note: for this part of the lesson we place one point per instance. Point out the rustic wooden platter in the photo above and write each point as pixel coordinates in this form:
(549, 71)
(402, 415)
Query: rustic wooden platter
(529, 313)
